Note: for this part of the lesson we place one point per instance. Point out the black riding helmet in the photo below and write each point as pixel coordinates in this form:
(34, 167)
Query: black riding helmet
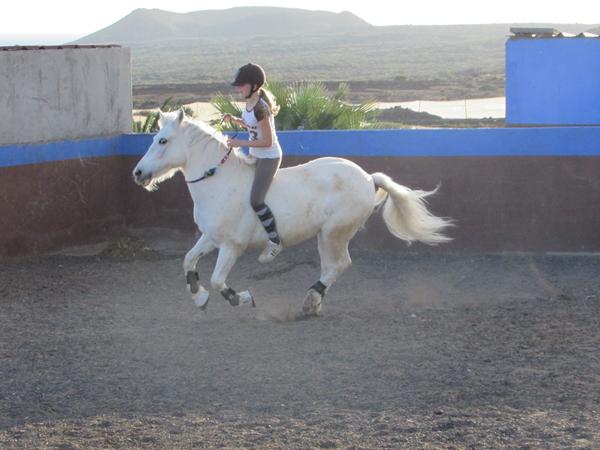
(252, 74)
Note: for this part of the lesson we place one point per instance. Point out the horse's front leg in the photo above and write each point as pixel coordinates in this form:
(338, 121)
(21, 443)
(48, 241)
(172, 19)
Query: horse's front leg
(228, 255)
(203, 247)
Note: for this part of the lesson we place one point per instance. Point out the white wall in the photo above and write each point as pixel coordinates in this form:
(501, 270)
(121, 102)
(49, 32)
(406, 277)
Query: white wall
(58, 94)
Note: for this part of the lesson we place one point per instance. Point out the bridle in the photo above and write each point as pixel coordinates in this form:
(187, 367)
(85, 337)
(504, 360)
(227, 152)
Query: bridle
(210, 172)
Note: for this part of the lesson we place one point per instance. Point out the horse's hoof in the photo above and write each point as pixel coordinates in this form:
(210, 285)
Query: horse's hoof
(246, 298)
(201, 299)
(312, 303)
(231, 296)
(235, 300)
(192, 278)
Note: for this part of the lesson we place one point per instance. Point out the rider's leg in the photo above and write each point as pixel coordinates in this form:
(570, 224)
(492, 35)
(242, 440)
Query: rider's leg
(266, 168)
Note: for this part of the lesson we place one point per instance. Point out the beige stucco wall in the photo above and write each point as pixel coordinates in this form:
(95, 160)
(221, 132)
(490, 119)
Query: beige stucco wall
(58, 94)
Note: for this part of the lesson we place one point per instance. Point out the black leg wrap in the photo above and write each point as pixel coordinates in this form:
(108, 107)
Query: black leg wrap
(319, 287)
(270, 228)
(192, 279)
(267, 215)
(231, 296)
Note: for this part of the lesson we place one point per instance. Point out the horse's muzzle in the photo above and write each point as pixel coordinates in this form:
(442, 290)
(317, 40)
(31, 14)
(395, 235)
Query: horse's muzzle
(141, 178)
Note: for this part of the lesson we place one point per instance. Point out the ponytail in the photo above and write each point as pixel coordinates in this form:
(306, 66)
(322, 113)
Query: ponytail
(268, 97)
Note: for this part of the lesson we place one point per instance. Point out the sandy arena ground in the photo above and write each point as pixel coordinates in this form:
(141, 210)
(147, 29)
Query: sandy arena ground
(414, 350)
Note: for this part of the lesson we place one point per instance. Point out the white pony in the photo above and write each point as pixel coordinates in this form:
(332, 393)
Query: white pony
(328, 197)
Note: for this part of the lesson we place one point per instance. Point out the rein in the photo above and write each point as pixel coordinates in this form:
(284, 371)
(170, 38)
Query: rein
(210, 172)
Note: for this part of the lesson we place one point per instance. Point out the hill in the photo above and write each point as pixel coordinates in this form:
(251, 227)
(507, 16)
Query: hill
(410, 61)
(151, 25)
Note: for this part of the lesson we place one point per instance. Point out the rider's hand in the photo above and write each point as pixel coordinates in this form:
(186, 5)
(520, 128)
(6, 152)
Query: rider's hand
(229, 118)
(232, 142)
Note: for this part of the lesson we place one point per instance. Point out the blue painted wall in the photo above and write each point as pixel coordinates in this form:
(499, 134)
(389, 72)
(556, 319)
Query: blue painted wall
(517, 189)
(554, 81)
(17, 155)
(478, 142)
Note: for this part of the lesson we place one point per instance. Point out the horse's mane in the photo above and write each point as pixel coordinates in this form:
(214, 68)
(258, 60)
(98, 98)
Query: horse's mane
(207, 130)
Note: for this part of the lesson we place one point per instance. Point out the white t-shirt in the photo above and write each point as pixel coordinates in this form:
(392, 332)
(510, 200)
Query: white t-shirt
(261, 111)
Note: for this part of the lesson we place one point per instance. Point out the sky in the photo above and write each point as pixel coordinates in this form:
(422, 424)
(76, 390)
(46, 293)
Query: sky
(63, 18)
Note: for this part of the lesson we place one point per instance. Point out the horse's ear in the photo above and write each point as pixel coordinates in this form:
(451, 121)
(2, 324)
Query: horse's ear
(161, 118)
(180, 115)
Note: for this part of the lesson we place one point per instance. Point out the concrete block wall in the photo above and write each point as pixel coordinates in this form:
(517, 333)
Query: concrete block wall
(60, 93)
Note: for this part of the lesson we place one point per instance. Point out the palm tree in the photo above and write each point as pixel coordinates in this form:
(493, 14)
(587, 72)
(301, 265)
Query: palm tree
(150, 125)
(225, 105)
(307, 105)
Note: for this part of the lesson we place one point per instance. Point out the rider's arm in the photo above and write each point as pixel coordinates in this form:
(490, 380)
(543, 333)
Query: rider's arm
(265, 141)
(267, 137)
(262, 114)
(240, 122)
(236, 120)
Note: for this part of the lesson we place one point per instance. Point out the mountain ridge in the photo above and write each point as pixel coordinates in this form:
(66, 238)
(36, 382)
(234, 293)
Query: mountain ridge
(296, 44)
(147, 25)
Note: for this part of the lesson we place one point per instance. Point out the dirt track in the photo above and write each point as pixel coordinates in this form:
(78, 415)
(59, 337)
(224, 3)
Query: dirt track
(413, 351)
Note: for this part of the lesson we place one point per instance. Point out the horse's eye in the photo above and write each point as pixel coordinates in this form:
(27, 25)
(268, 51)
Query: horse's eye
(162, 141)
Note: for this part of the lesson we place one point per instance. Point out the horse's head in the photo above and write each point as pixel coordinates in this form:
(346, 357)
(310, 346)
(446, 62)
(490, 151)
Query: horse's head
(167, 153)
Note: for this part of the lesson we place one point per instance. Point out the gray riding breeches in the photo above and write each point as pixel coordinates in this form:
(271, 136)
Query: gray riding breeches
(266, 168)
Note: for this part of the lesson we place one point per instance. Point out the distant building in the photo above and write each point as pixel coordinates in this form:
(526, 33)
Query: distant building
(552, 78)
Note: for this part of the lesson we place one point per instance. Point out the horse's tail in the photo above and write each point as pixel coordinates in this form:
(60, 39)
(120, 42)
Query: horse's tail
(405, 212)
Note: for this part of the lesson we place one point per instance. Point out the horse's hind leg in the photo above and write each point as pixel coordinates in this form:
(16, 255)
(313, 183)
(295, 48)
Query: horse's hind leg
(228, 255)
(203, 247)
(333, 250)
